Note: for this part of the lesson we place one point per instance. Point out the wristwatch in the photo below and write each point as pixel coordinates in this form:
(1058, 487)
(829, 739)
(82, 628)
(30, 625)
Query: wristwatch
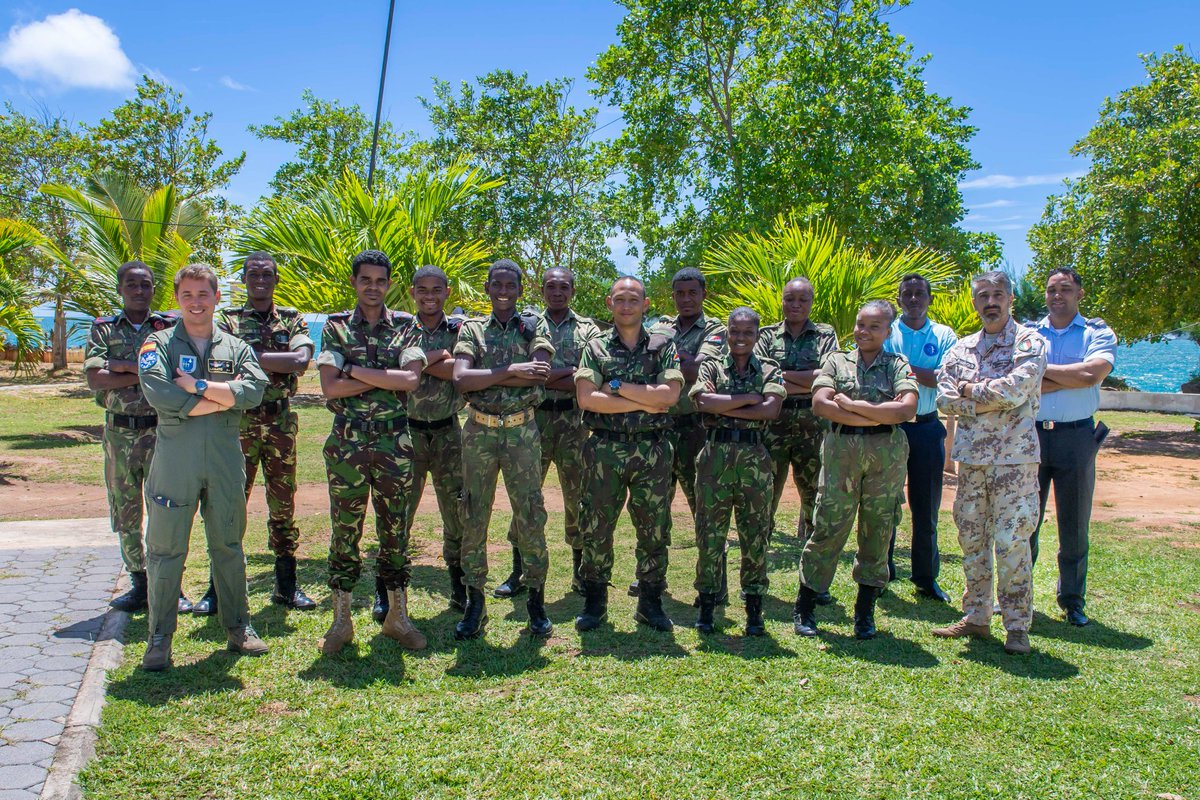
(201, 387)
(614, 386)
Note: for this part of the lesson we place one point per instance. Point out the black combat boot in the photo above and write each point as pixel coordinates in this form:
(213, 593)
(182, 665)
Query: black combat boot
(864, 612)
(206, 606)
(805, 613)
(708, 602)
(576, 577)
(474, 619)
(512, 585)
(539, 623)
(633, 589)
(722, 594)
(135, 598)
(595, 606)
(649, 608)
(379, 610)
(458, 589)
(754, 617)
(287, 591)
(824, 599)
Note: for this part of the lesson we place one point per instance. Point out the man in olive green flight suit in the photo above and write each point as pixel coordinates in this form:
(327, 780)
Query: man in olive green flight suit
(199, 380)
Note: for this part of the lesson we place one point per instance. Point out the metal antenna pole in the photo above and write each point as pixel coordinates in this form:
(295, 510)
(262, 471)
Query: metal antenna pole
(387, 43)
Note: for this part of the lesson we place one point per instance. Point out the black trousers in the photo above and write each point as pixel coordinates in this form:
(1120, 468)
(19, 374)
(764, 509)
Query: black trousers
(926, 460)
(1069, 463)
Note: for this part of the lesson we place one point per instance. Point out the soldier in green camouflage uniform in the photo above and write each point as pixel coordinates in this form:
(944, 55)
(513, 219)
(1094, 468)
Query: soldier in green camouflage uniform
(501, 366)
(626, 380)
(797, 344)
(130, 422)
(866, 393)
(738, 394)
(279, 338)
(433, 420)
(368, 362)
(559, 420)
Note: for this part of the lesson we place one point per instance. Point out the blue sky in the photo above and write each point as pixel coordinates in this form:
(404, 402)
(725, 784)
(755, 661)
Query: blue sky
(1034, 73)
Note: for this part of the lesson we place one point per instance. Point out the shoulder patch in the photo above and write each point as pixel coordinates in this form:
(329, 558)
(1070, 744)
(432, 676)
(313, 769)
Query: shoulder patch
(716, 338)
(1026, 345)
(340, 315)
(104, 319)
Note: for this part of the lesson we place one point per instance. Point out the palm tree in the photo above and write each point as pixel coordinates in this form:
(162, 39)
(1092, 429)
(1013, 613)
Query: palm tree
(119, 222)
(315, 234)
(953, 308)
(755, 267)
(16, 298)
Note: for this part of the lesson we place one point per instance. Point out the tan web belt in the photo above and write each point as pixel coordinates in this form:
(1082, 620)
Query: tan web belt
(502, 420)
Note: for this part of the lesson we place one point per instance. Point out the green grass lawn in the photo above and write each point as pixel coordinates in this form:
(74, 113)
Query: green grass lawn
(1108, 711)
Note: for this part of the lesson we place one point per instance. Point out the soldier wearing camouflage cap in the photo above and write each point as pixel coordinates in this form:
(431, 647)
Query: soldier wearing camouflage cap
(368, 362)
(626, 381)
(865, 393)
(991, 381)
(738, 394)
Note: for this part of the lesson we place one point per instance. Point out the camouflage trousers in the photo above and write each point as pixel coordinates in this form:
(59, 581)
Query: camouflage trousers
(127, 456)
(438, 452)
(516, 453)
(379, 465)
(795, 441)
(996, 509)
(616, 471)
(562, 438)
(861, 476)
(733, 477)
(687, 439)
(272, 443)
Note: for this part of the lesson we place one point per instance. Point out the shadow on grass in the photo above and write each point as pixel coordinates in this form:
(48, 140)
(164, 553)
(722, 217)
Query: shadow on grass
(358, 666)
(208, 675)
(1095, 634)
(479, 658)
(1038, 665)
(730, 639)
(883, 649)
(636, 645)
(82, 435)
(910, 605)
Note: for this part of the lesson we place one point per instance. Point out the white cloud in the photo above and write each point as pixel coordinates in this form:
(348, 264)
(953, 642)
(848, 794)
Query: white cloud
(1017, 181)
(230, 83)
(993, 204)
(68, 50)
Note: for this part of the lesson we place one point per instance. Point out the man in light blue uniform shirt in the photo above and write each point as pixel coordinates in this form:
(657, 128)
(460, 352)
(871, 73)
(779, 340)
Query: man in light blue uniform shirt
(1081, 355)
(925, 343)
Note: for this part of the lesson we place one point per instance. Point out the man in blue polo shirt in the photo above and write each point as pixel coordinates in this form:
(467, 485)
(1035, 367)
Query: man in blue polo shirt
(1081, 355)
(925, 343)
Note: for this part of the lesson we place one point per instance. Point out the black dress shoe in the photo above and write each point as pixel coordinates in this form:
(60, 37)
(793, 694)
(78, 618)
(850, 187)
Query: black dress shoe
(1076, 617)
(932, 591)
(206, 606)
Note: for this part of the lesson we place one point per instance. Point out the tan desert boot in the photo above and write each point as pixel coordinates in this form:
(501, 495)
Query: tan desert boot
(245, 641)
(341, 632)
(398, 626)
(1017, 643)
(158, 653)
(961, 629)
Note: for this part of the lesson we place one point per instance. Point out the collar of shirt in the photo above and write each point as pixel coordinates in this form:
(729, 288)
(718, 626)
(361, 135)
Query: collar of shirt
(442, 323)
(359, 321)
(752, 366)
(512, 321)
(1005, 338)
(926, 329)
(570, 317)
(180, 332)
(700, 322)
(266, 315)
(1078, 322)
(856, 354)
(614, 335)
(806, 328)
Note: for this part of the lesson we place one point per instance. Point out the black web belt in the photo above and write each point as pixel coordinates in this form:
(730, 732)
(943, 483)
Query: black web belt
(132, 423)
(370, 425)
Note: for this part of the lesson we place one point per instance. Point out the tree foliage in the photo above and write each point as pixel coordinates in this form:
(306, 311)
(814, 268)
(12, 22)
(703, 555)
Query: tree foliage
(551, 209)
(1131, 225)
(737, 111)
(757, 266)
(316, 233)
(17, 298)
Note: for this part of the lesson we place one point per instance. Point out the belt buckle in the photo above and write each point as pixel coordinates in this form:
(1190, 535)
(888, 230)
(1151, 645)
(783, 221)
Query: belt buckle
(1048, 425)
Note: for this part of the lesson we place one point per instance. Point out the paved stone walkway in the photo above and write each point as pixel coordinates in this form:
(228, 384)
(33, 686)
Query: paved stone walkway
(56, 578)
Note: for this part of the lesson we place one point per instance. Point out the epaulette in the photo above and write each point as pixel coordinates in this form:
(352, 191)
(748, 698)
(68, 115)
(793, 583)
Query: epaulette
(657, 342)
(402, 318)
(160, 322)
(454, 323)
(527, 325)
(287, 311)
(340, 315)
(1096, 322)
(111, 318)
(824, 327)
(715, 338)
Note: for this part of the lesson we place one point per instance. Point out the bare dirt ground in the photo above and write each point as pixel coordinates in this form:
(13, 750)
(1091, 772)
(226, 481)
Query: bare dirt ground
(1149, 479)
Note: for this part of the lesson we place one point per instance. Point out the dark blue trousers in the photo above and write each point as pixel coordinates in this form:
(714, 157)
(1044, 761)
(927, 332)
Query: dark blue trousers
(1069, 464)
(926, 460)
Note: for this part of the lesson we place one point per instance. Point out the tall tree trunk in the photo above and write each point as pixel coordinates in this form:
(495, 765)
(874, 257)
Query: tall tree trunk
(58, 339)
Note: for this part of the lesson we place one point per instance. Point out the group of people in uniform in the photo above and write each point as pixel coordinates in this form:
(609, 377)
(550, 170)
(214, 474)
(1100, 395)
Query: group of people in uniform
(197, 404)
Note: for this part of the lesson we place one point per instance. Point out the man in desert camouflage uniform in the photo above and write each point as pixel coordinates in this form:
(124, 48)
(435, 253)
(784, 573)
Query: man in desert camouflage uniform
(737, 394)
(559, 421)
(626, 381)
(367, 364)
(696, 337)
(501, 365)
(130, 422)
(433, 422)
(991, 381)
(279, 338)
(797, 344)
(865, 393)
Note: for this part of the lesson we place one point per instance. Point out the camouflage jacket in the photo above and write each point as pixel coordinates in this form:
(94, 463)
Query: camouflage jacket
(568, 339)
(720, 376)
(796, 353)
(280, 330)
(652, 361)
(435, 399)
(887, 378)
(491, 343)
(115, 339)
(996, 424)
(705, 337)
(389, 344)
